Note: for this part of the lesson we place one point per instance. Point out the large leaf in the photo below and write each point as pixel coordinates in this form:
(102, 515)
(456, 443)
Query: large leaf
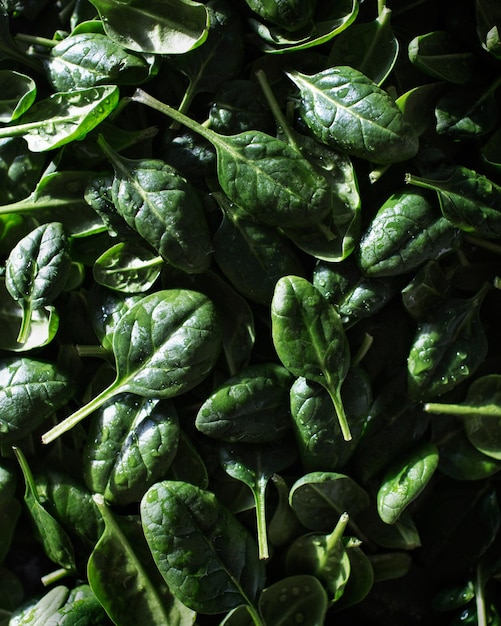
(207, 557)
(162, 27)
(342, 98)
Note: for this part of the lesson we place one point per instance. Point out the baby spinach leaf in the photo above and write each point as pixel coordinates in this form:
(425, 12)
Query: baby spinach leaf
(170, 27)
(323, 556)
(127, 267)
(288, 14)
(328, 22)
(122, 548)
(130, 445)
(309, 338)
(320, 498)
(42, 610)
(407, 231)
(468, 199)
(252, 406)
(488, 20)
(295, 599)
(56, 543)
(271, 181)
(404, 481)
(448, 348)
(18, 94)
(20, 169)
(208, 559)
(370, 47)
(342, 97)
(89, 59)
(163, 207)
(429, 288)
(36, 271)
(30, 391)
(164, 345)
(439, 55)
(480, 412)
(63, 117)
(418, 105)
(252, 256)
(254, 466)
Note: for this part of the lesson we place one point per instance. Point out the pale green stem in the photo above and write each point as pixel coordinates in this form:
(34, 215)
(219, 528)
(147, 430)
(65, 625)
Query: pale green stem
(84, 411)
(480, 597)
(483, 243)
(92, 351)
(364, 348)
(275, 109)
(462, 409)
(37, 41)
(262, 534)
(24, 331)
(337, 533)
(381, 6)
(55, 576)
(339, 408)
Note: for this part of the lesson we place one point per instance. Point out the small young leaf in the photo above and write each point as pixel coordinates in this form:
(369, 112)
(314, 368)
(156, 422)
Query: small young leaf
(404, 481)
(309, 338)
(439, 55)
(18, 94)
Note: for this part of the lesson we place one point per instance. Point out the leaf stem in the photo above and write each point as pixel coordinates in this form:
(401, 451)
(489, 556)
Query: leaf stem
(276, 110)
(339, 408)
(480, 596)
(36, 41)
(76, 417)
(262, 534)
(337, 533)
(24, 331)
(462, 409)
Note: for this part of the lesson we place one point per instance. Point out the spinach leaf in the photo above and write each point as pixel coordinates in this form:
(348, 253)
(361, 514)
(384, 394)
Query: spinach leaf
(63, 117)
(341, 97)
(252, 406)
(440, 55)
(36, 271)
(164, 345)
(163, 207)
(271, 181)
(207, 557)
(88, 59)
(18, 94)
(31, 390)
(404, 481)
(140, 591)
(448, 348)
(172, 27)
(289, 14)
(309, 338)
(130, 445)
(294, 599)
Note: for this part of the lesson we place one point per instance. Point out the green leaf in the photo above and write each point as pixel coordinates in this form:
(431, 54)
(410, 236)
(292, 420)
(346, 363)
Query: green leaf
(448, 348)
(342, 97)
(18, 94)
(127, 267)
(36, 271)
(45, 608)
(168, 27)
(404, 481)
(130, 445)
(439, 55)
(309, 338)
(252, 406)
(55, 542)
(164, 345)
(488, 23)
(31, 390)
(407, 231)
(267, 178)
(163, 207)
(469, 200)
(63, 117)
(89, 59)
(122, 548)
(207, 557)
(320, 498)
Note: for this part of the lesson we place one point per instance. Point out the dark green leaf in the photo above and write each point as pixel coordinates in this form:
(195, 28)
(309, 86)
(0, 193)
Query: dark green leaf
(18, 94)
(207, 557)
(294, 600)
(439, 55)
(342, 97)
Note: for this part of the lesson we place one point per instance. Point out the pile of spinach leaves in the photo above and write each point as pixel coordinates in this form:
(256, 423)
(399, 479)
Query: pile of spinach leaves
(250, 371)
